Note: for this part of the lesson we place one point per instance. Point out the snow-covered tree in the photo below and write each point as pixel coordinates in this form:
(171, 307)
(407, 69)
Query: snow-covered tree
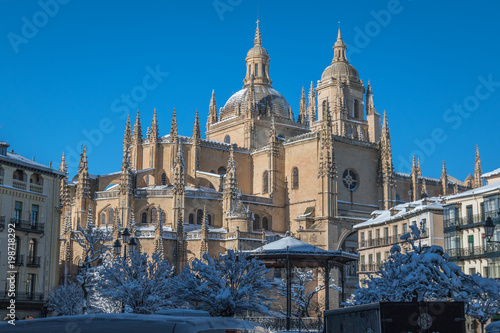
(225, 286)
(141, 283)
(303, 300)
(66, 300)
(425, 274)
(95, 243)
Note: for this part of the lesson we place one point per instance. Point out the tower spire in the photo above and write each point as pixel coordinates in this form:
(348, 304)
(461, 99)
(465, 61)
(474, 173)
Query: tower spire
(137, 129)
(386, 165)
(173, 128)
(312, 104)
(477, 170)
(258, 38)
(444, 180)
(212, 111)
(303, 108)
(339, 49)
(154, 128)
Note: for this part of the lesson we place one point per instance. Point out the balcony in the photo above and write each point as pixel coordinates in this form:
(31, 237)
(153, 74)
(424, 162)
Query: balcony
(469, 221)
(19, 260)
(25, 296)
(389, 240)
(368, 268)
(36, 188)
(19, 184)
(29, 226)
(33, 261)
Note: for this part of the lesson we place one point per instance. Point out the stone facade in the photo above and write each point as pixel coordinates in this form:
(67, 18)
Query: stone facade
(259, 173)
(29, 224)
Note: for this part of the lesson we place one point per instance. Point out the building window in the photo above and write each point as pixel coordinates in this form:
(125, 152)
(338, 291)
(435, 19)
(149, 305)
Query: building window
(295, 177)
(144, 217)
(265, 224)
(191, 218)
(472, 270)
(357, 109)
(386, 236)
(209, 219)
(163, 179)
(423, 227)
(370, 238)
(350, 180)
(481, 205)
(277, 273)
(227, 139)
(32, 250)
(18, 210)
(256, 69)
(395, 233)
(221, 171)
(491, 206)
(405, 228)
(19, 175)
(163, 217)
(379, 259)
(265, 182)
(470, 218)
(256, 222)
(324, 108)
(34, 213)
(264, 70)
(199, 216)
(470, 240)
(111, 216)
(103, 218)
(18, 249)
(362, 244)
(154, 215)
(30, 285)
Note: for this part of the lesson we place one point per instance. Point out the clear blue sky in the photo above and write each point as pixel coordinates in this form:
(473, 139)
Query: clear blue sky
(64, 73)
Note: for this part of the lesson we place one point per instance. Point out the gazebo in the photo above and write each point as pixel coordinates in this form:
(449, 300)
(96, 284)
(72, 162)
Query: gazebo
(290, 251)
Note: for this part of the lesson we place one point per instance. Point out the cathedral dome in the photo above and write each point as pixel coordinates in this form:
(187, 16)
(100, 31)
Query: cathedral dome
(257, 50)
(342, 69)
(266, 100)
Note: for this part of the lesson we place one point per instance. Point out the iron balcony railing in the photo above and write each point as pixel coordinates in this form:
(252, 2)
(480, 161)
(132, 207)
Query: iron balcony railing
(476, 251)
(469, 220)
(368, 267)
(389, 240)
(33, 261)
(30, 226)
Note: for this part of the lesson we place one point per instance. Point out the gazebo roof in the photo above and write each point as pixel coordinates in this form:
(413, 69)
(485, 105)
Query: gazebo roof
(301, 253)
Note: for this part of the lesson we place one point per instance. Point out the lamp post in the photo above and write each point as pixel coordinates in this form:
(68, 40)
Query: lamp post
(489, 228)
(118, 246)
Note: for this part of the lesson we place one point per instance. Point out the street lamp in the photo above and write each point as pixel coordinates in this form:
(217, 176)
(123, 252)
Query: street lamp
(118, 247)
(489, 227)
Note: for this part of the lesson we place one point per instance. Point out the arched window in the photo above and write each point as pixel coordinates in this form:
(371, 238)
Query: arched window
(163, 179)
(256, 69)
(227, 139)
(356, 109)
(295, 177)
(111, 216)
(103, 218)
(199, 216)
(221, 171)
(154, 215)
(264, 70)
(209, 219)
(265, 182)
(18, 175)
(265, 223)
(144, 217)
(191, 218)
(256, 222)
(163, 217)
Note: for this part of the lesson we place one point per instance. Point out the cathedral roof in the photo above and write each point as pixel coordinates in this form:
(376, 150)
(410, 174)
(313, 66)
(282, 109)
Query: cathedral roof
(267, 100)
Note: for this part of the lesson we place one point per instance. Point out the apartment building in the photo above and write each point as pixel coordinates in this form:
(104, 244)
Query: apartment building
(29, 214)
(377, 235)
(465, 241)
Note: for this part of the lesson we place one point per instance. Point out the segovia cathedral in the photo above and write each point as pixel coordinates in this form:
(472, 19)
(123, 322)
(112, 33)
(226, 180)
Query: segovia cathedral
(261, 172)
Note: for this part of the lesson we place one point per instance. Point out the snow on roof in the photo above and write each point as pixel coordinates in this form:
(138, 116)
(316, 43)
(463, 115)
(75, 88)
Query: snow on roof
(491, 173)
(145, 170)
(476, 191)
(405, 209)
(209, 173)
(289, 244)
(111, 187)
(110, 174)
(16, 158)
